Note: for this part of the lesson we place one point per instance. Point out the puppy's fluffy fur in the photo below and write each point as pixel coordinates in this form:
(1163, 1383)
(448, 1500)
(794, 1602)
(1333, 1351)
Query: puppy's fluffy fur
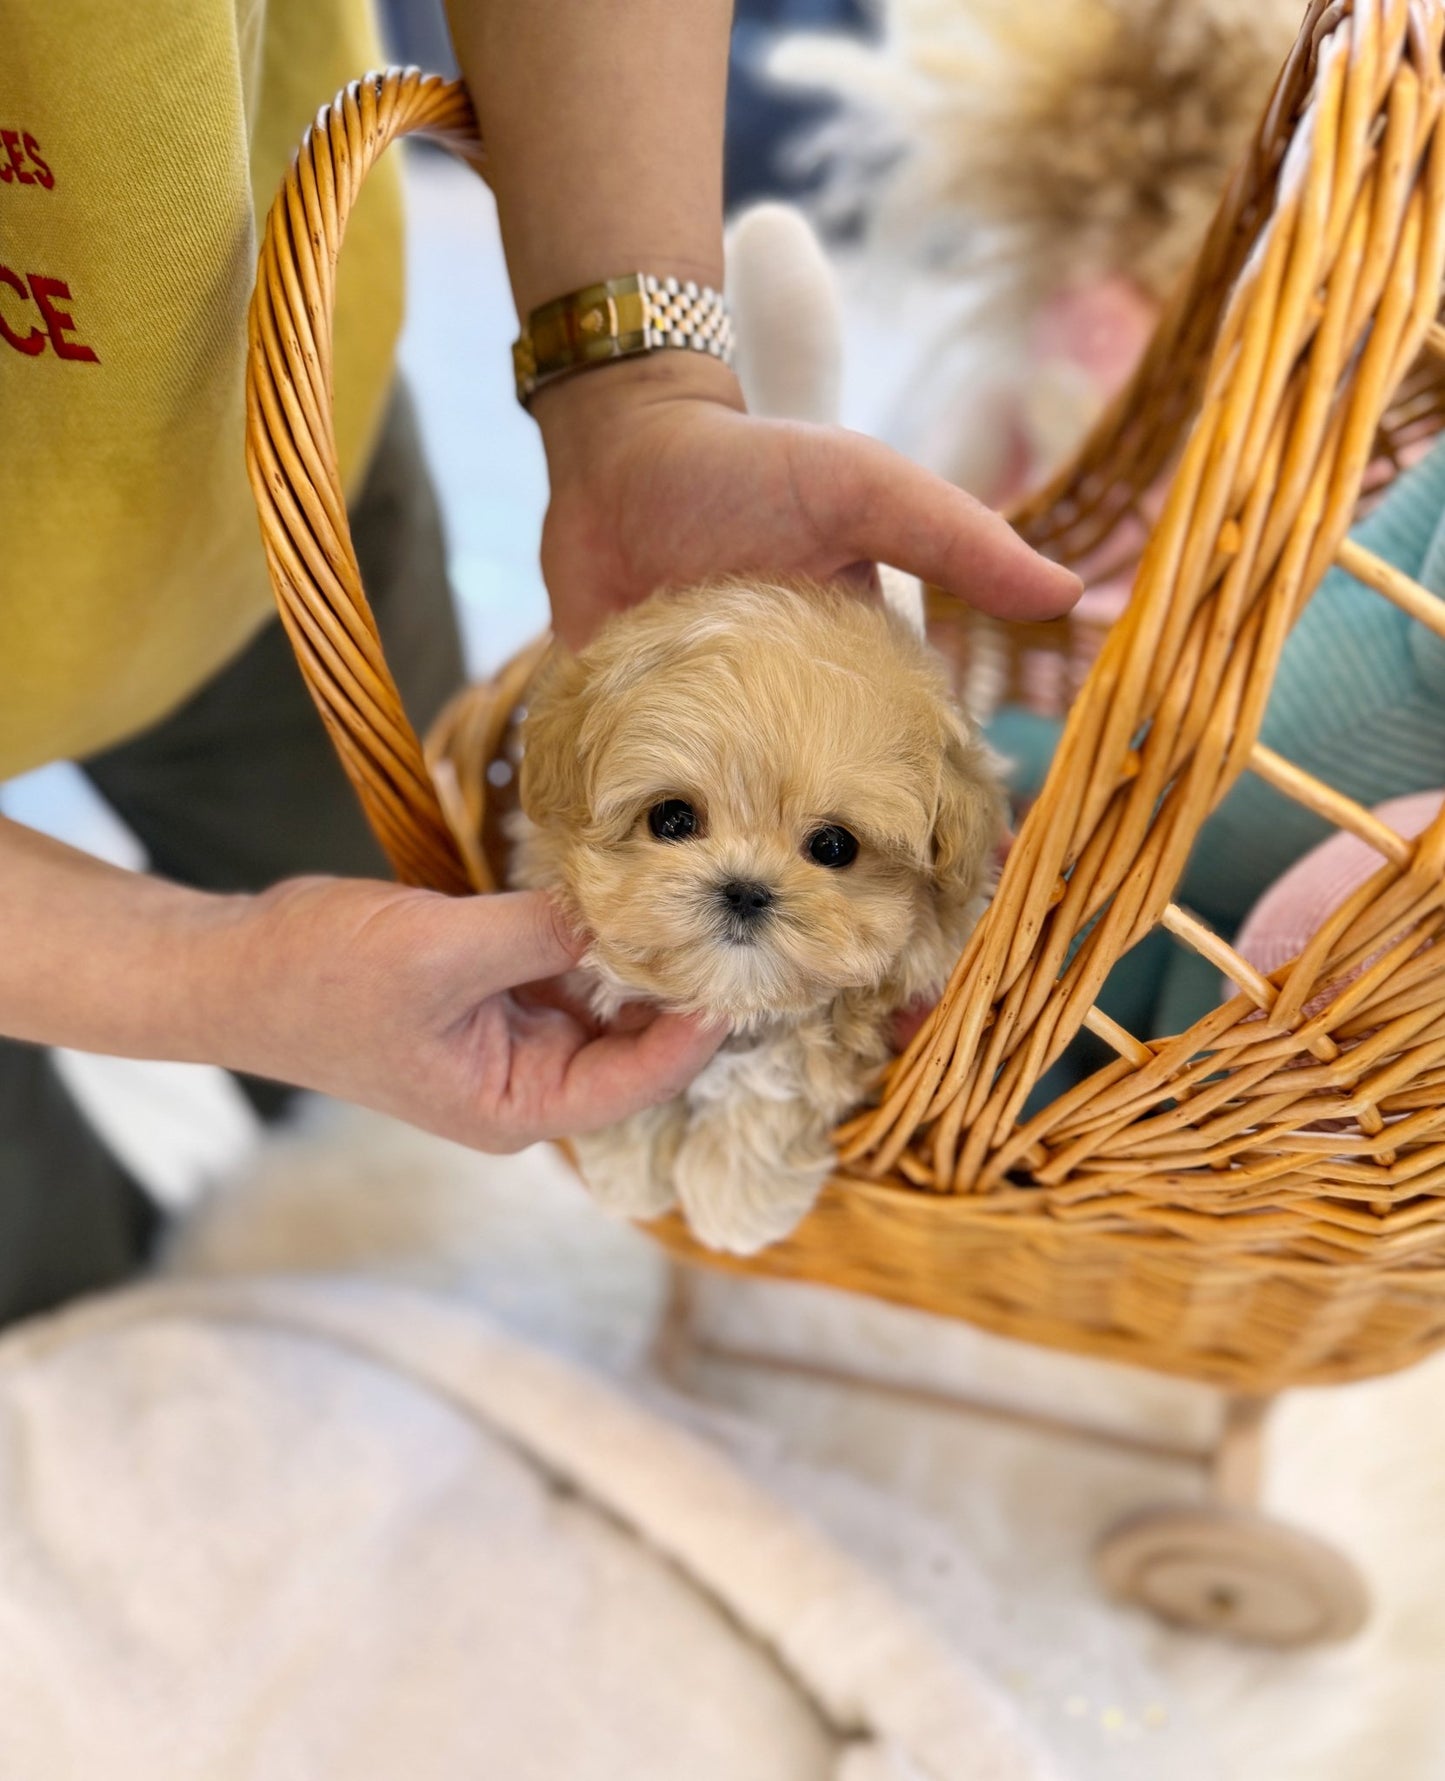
(773, 711)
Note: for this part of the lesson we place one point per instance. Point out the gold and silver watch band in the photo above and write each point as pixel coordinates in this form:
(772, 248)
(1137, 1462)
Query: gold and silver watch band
(621, 318)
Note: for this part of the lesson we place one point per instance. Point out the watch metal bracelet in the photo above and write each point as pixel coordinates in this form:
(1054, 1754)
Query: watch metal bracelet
(621, 318)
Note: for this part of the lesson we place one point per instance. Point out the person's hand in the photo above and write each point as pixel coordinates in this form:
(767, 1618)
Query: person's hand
(415, 1005)
(660, 478)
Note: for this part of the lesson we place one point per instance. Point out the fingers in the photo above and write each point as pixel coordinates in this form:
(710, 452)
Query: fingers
(621, 1073)
(875, 504)
(558, 1080)
(523, 938)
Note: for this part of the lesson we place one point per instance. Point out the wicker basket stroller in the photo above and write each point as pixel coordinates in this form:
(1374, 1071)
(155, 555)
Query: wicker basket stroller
(1259, 1201)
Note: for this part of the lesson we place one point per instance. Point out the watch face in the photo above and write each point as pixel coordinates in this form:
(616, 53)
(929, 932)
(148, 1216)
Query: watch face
(601, 321)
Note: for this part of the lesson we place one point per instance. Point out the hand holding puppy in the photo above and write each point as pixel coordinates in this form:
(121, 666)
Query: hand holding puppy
(417, 1005)
(660, 478)
(433, 1009)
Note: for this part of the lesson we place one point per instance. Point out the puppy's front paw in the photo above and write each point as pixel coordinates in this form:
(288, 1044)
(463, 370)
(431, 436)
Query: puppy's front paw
(739, 1195)
(628, 1167)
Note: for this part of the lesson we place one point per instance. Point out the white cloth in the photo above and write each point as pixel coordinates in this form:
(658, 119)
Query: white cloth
(257, 1531)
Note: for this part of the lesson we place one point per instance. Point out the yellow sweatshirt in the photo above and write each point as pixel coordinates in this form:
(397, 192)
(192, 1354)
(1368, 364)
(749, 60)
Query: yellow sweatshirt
(141, 143)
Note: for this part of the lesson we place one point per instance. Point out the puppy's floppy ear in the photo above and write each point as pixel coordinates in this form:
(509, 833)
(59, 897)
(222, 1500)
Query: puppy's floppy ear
(969, 820)
(553, 785)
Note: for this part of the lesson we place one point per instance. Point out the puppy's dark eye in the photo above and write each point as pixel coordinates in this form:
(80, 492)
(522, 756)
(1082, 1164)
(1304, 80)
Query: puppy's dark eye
(833, 847)
(672, 820)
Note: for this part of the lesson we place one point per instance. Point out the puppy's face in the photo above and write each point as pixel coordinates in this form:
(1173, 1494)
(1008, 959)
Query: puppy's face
(754, 797)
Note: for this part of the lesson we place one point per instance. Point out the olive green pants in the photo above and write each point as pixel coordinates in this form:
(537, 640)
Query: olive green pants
(238, 788)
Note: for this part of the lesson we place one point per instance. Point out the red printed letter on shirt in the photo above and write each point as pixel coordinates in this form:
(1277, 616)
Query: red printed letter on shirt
(30, 343)
(43, 175)
(11, 139)
(58, 321)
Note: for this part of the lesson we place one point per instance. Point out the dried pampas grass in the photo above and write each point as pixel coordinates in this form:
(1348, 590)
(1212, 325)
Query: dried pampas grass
(1051, 142)
(1022, 182)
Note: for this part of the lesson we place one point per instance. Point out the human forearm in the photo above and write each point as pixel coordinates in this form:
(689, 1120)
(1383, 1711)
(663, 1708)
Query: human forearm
(396, 999)
(603, 121)
(106, 960)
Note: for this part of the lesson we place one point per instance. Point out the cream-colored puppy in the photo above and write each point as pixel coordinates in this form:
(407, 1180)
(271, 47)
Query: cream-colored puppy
(760, 802)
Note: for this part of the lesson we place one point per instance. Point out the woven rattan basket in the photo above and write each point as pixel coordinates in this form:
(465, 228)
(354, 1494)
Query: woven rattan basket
(1259, 1201)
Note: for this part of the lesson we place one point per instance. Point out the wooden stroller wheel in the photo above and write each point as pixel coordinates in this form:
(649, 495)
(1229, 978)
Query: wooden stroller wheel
(1233, 1572)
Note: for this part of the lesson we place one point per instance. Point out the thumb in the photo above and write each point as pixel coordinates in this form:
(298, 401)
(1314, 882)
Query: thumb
(526, 938)
(621, 1073)
(877, 505)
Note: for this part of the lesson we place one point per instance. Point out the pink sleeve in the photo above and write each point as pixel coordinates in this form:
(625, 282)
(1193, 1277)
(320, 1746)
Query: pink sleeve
(1295, 906)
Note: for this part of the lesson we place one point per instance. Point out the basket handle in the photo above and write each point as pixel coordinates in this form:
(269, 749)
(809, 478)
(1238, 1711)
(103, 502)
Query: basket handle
(292, 463)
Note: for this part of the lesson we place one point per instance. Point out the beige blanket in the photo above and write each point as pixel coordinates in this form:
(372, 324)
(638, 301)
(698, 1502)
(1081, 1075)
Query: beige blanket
(265, 1531)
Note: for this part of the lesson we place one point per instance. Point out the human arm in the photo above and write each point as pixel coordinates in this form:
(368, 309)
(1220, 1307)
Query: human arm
(396, 999)
(604, 126)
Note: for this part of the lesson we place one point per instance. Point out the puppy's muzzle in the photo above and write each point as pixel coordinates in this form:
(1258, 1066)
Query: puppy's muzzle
(745, 905)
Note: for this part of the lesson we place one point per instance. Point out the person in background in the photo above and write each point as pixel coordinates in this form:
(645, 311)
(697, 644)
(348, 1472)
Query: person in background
(138, 148)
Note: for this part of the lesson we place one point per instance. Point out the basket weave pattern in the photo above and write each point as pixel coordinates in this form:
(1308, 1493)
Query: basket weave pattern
(292, 463)
(1259, 1201)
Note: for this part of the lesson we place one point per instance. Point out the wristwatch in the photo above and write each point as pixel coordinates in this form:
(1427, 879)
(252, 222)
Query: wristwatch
(621, 318)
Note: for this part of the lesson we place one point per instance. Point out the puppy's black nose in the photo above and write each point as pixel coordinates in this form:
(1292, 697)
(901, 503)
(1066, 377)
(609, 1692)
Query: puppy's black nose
(746, 900)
